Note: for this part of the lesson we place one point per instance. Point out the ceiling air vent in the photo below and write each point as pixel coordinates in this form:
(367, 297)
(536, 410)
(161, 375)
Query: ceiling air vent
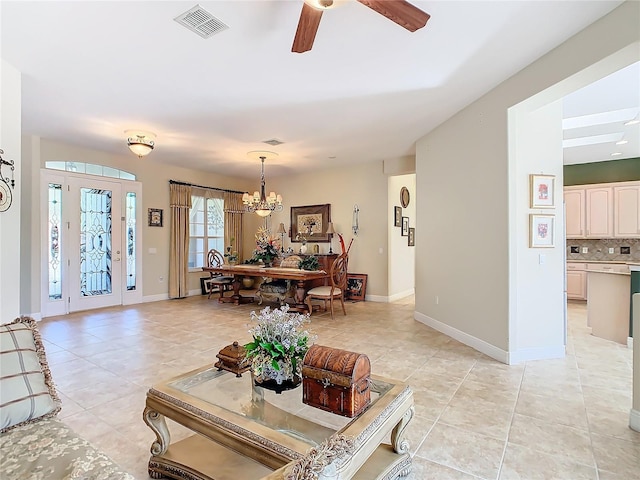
(200, 21)
(273, 142)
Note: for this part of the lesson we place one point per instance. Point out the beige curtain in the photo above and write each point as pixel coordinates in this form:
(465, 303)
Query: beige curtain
(233, 210)
(180, 201)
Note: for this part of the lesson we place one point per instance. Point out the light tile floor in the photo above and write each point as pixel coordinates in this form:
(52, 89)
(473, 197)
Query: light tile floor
(475, 417)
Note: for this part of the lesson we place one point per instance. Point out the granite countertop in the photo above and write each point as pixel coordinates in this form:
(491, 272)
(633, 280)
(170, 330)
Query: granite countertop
(609, 272)
(619, 262)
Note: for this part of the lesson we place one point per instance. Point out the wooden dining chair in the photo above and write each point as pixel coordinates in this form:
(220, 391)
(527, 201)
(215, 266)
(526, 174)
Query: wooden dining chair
(337, 288)
(223, 282)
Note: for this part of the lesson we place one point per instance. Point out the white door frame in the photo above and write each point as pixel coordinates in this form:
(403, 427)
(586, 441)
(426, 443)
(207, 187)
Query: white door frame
(62, 306)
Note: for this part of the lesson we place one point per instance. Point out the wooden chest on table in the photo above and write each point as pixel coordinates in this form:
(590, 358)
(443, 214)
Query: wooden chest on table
(336, 380)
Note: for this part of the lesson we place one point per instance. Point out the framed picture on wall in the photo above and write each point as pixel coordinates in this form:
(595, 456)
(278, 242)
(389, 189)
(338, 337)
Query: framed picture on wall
(405, 226)
(542, 191)
(310, 223)
(397, 216)
(541, 231)
(412, 237)
(155, 217)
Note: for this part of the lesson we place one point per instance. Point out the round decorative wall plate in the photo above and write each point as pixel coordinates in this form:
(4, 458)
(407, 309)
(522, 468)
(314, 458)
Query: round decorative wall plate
(404, 197)
(5, 197)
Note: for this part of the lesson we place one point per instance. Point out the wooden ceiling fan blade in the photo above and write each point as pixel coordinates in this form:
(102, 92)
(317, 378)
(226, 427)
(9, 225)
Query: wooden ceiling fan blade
(400, 12)
(307, 28)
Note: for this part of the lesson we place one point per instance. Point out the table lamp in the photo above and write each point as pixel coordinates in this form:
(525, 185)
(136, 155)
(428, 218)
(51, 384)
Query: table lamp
(330, 232)
(281, 231)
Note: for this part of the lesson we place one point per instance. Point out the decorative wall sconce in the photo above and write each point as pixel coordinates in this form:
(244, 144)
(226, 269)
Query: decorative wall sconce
(6, 197)
(354, 223)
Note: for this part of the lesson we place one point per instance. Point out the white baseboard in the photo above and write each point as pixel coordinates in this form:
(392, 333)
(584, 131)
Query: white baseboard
(399, 296)
(634, 420)
(36, 316)
(536, 353)
(155, 298)
(480, 345)
(376, 298)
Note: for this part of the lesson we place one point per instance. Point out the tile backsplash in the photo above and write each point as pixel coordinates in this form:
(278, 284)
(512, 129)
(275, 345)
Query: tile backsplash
(599, 249)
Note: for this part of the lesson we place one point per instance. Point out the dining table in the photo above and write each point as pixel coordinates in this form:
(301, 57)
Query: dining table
(302, 278)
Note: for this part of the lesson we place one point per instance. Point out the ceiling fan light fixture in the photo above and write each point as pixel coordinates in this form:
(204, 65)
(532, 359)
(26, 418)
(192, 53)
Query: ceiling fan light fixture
(320, 4)
(140, 143)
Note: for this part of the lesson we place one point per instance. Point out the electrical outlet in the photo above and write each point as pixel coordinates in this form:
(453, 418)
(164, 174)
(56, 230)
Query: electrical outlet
(585, 249)
(612, 250)
(437, 300)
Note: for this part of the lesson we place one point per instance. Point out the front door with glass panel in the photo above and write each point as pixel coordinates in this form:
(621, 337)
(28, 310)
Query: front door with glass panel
(95, 244)
(90, 243)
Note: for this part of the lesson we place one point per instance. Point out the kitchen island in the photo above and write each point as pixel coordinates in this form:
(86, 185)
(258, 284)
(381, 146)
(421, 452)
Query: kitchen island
(608, 304)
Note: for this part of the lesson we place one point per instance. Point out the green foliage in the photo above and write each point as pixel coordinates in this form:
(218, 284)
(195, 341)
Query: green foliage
(309, 263)
(279, 343)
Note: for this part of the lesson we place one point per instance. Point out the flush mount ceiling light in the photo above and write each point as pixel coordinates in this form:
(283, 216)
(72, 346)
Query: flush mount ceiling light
(259, 202)
(140, 143)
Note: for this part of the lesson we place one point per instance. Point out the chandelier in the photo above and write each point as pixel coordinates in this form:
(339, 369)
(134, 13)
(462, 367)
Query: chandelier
(259, 202)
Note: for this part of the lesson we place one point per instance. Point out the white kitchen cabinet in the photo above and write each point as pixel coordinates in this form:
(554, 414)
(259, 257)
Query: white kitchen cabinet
(576, 281)
(626, 200)
(599, 212)
(575, 212)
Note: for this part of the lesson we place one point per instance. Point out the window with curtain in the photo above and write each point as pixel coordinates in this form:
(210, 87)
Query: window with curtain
(206, 228)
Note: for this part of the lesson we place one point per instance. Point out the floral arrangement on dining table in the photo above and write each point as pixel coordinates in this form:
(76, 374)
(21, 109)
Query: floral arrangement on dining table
(279, 345)
(267, 247)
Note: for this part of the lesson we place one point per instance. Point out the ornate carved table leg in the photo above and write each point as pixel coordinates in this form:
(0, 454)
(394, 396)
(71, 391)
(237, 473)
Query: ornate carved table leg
(398, 441)
(300, 306)
(157, 423)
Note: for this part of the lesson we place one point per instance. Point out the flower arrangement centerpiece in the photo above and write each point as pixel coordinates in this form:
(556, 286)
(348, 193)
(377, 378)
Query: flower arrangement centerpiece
(279, 345)
(266, 247)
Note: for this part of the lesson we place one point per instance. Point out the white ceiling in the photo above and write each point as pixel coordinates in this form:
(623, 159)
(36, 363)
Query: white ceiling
(367, 91)
(595, 117)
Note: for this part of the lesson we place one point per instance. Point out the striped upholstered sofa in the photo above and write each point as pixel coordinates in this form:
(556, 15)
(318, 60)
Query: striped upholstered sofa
(34, 444)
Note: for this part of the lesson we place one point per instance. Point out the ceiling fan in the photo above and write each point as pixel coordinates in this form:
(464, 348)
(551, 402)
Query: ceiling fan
(398, 11)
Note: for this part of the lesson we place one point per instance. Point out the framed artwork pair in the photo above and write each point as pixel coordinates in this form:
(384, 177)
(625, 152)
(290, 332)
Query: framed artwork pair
(542, 194)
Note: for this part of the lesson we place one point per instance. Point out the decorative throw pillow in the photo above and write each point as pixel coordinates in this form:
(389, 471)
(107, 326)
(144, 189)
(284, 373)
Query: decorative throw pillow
(26, 388)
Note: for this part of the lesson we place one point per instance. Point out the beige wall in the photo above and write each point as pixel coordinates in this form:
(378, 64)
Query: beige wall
(401, 255)
(362, 184)
(155, 194)
(10, 232)
(341, 188)
(464, 174)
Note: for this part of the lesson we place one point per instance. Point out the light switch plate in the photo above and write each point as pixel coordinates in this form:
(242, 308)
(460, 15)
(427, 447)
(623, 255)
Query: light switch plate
(585, 249)
(612, 250)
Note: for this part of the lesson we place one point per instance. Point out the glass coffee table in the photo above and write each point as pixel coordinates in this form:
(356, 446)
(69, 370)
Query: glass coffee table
(245, 432)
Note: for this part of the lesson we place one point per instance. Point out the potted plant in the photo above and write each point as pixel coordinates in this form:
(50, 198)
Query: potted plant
(231, 256)
(279, 345)
(309, 263)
